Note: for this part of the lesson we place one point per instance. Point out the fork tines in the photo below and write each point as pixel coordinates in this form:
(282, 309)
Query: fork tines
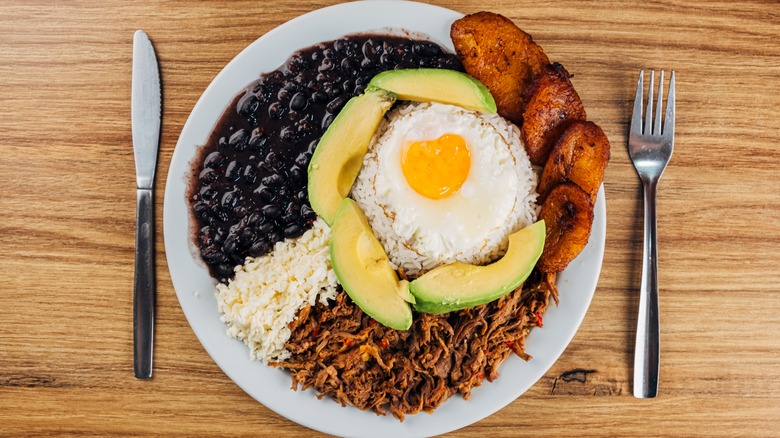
(653, 127)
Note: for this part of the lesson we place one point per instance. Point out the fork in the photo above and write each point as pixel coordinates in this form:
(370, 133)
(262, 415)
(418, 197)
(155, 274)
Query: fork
(650, 147)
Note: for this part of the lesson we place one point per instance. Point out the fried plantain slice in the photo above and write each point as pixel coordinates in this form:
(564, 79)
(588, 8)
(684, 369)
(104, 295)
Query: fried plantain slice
(580, 155)
(551, 103)
(501, 56)
(569, 215)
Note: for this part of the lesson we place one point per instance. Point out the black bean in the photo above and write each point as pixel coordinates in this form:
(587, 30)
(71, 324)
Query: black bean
(370, 49)
(208, 175)
(335, 105)
(265, 228)
(219, 213)
(283, 95)
(205, 236)
(348, 67)
(266, 168)
(214, 159)
(329, 53)
(230, 244)
(236, 258)
(301, 196)
(288, 134)
(425, 49)
(276, 110)
(340, 45)
(250, 174)
(327, 120)
(224, 271)
(219, 235)
(248, 104)
(359, 89)
(264, 193)
(290, 218)
(312, 147)
(348, 86)
(386, 60)
(275, 236)
(207, 193)
(293, 230)
(274, 180)
(254, 219)
(238, 139)
(307, 213)
(302, 159)
(274, 159)
(297, 174)
(275, 77)
(233, 170)
(230, 200)
(326, 65)
(212, 255)
(368, 64)
(247, 237)
(200, 208)
(298, 102)
(319, 97)
(297, 62)
(429, 63)
(257, 142)
(271, 211)
(259, 248)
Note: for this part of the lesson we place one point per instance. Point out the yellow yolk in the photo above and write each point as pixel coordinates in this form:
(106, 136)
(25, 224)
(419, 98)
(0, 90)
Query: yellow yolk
(436, 168)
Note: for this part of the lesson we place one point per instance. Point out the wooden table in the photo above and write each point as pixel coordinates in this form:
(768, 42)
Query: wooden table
(67, 221)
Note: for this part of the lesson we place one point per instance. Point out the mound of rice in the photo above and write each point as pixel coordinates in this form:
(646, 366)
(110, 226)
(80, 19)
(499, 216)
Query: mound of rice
(267, 292)
(402, 252)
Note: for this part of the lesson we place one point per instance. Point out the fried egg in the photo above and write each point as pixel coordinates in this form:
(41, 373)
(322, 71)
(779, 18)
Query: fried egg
(450, 184)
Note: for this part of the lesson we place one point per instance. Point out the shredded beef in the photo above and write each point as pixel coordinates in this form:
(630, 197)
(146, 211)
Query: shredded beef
(346, 355)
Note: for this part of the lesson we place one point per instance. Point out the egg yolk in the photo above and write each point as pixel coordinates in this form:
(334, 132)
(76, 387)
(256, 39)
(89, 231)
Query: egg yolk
(436, 168)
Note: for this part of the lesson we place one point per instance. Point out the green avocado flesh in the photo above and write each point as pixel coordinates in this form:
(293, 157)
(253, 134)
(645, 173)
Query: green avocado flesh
(339, 154)
(436, 85)
(458, 286)
(364, 271)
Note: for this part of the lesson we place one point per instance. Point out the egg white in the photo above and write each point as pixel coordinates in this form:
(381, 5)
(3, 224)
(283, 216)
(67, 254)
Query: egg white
(465, 221)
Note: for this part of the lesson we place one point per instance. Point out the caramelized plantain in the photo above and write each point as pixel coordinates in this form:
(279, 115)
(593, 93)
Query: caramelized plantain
(580, 156)
(550, 104)
(569, 213)
(501, 56)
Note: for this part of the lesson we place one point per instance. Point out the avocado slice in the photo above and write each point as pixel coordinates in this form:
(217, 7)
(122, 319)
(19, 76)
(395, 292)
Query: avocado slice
(339, 154)
(364, 271)
(436, 85)
(458, 286)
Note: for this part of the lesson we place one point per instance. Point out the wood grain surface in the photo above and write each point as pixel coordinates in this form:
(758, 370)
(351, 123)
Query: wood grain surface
(67, 218)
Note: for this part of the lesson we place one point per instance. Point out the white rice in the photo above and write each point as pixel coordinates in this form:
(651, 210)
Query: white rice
(402, 253)
(267, 292)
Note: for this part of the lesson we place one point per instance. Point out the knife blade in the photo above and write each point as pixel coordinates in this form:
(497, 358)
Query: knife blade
(145, 119)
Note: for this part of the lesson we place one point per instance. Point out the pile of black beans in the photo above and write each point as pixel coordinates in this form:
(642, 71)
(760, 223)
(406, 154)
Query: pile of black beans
(248, 186)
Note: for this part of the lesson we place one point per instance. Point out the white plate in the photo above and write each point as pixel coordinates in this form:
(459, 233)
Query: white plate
(195, 289)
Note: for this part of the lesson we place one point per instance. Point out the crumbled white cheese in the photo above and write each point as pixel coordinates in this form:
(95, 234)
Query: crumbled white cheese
(266, 293)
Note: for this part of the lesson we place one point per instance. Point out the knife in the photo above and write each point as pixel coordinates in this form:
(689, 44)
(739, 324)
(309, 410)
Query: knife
(145, 113)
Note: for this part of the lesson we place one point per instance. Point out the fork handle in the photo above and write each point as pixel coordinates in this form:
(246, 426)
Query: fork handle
(647, 353)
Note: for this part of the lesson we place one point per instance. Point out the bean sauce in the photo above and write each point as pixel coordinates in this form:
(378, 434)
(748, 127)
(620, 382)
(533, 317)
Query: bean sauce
(247, 186)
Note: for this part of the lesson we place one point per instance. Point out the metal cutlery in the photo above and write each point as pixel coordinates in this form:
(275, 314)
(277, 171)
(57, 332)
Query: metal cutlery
(650, 145)
(145, 113)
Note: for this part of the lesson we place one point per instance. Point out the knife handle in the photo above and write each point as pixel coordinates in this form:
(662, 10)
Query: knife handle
(143, 288)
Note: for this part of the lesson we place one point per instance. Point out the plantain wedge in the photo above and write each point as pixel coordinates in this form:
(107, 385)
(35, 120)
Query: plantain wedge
(580, 156)
(499, 54)
(550, 104)
(568, 211)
